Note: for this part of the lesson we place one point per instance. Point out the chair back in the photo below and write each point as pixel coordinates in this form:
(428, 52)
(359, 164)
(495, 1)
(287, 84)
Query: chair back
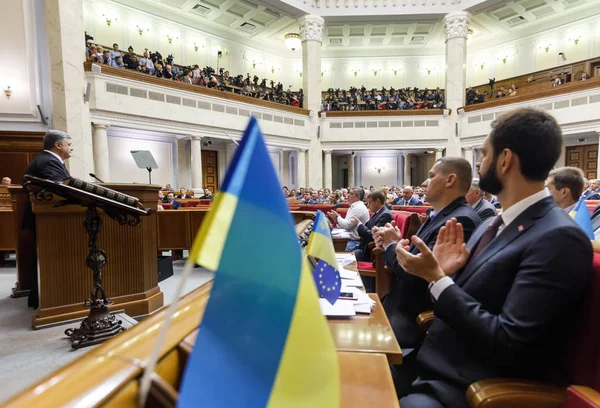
(592, 204)
(167, 206)
(407, 222)
(419, 209)
(583, 350)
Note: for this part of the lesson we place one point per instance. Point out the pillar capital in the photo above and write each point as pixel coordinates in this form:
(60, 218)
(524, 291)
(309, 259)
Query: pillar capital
(456, 25)
(439, 150)
(100, 125)
(311, 27)
(327, 151)
(195, 137)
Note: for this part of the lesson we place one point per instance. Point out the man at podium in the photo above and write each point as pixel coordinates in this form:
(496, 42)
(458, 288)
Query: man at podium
(50, 165)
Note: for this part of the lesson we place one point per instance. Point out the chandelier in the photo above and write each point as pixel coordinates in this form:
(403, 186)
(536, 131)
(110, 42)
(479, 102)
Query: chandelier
(292, 41)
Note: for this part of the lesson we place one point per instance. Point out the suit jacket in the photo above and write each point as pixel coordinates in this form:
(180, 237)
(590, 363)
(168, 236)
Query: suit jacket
(45, 165)
(588, 193)
(596, 217)
(413, 201)
(510, 308)
(484, 209)
(593, 196)
(184, 196)
(176, 204)
(378, 219)
(409, 294)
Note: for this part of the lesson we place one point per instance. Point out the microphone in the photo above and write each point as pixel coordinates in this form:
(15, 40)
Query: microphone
(94, 176)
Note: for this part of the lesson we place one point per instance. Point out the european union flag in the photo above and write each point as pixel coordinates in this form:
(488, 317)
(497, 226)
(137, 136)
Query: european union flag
(328, 281)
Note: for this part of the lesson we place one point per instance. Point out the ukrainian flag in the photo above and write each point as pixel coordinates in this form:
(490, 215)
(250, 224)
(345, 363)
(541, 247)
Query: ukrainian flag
(581, 215)
(263, 341)
(320, 244)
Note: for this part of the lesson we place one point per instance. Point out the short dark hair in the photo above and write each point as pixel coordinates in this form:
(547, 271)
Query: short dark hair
(533, 136)
(378, 195)
(460, 167)
(361, 193)
(52, 136)
(568, 177)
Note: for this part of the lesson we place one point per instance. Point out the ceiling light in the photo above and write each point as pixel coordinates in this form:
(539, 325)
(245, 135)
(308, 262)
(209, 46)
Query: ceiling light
(292, 41)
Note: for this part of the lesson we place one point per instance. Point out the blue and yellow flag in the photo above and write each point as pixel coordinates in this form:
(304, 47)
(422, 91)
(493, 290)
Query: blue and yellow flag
(320, 245)
(263, 341)
(581, 215)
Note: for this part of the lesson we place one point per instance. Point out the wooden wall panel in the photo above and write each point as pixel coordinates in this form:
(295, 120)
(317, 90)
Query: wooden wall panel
(584, 157)
(8, 236)
(13, 165)
(210, 170)
(17, 149)
(174, 230)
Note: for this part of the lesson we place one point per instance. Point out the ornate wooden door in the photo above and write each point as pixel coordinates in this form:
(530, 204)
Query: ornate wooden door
(210, 170)
(584, 157)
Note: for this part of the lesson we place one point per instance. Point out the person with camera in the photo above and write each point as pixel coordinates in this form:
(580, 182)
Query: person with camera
(146, 64)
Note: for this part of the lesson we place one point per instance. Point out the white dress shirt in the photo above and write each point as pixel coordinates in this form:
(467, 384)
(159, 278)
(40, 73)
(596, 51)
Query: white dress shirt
(359, 210)
(55, 155)
(508, 216)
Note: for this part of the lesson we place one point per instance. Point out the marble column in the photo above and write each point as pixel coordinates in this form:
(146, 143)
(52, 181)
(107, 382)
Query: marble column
(311, 35)
(284, 166)
(468, 155)
(407, 177)
(456, 31)
(65, 33)
(229, 151)
(302, 169)
(351, 181)
(196, 164)
(598, 154)
(183, 163)
(439, 153)
(328, 170)
(100, 143)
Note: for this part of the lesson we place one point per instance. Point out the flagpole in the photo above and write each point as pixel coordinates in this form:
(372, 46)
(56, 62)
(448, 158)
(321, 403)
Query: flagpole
(149, 370)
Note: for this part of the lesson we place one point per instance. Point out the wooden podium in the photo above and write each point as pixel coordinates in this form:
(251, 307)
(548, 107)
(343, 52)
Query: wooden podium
(130, 275)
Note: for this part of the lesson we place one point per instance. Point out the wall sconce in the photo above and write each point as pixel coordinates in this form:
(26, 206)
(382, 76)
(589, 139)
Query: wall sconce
(8, 92)
(273, 69)
(504, 59)
(481, 65)
(324, 72)
(546, 47)
(299, 72)
(196, 46)
(428, 70)
(575, 40)
(141, 30)
(375, 71)
(109, 19)
(379, 169)
(395, 71)
(170, 39)
(255, 63)
(355, 71)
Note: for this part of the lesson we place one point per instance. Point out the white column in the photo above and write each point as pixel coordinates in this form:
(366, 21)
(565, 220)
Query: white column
(311, 34)
(439, 153)
(229, 151)
(328, 170)
(196, 164)
(468, 155)
(100, 143)
(64, 31)
(351, 180)
(302, 169)
(284, 166)
(456, 31)
(183, 163)
(598, 164)
(407, 178)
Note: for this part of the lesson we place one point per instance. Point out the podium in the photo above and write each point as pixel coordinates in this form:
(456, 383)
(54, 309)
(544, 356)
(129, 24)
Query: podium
(130, 276)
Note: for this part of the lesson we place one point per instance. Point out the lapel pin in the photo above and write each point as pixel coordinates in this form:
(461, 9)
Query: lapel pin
(520, 228)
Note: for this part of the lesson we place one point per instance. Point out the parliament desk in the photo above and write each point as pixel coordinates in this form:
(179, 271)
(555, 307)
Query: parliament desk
(365, 380)
(366, 333)
(130, 276)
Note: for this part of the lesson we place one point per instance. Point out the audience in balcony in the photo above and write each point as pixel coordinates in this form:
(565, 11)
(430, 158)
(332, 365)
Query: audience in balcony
(557, 81)
(584, 76)
(114, 53)
(118, 62)
(384, 99)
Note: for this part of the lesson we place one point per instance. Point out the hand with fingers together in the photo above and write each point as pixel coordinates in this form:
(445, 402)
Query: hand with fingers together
(386, 235)
(450, 249)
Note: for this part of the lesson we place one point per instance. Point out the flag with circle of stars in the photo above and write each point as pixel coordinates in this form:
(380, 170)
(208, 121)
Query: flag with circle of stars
(328, 281)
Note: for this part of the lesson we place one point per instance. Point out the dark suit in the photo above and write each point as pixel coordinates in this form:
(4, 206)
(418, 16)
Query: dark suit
(596, 218)
(176, 204)
(593, 196)
(185, 196)
(413, 201)
(484, 209)
(409, 295)
(379, 219)
(510, 308)
(589, 193)
(47, 166)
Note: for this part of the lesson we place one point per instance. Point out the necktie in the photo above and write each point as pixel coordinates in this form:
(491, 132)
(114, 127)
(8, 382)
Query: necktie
(487, 237)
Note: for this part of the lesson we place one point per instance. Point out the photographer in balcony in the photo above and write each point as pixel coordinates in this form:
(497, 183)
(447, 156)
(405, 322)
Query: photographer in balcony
(146, 64)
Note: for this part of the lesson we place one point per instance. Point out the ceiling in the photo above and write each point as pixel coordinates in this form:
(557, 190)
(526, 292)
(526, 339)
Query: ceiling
(267, 21)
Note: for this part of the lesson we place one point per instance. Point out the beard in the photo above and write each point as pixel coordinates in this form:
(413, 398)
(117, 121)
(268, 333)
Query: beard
(490, 182)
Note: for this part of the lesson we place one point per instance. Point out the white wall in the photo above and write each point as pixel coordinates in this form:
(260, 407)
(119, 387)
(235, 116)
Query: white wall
(528, 54)
(124, 170)
(371, 177)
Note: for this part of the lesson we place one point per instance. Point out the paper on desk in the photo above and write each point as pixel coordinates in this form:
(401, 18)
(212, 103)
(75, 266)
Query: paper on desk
(345, 259)
(363, 308)
(346, 274)
(340, 233)
(339, 308)
(352, 283)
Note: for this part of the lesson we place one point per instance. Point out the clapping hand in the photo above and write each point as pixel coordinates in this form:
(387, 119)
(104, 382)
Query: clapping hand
(333, 215)
(450, 249)
(383, 236)
(423, 265)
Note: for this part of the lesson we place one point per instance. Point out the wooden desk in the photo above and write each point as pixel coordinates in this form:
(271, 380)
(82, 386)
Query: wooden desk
(365, 380)
(367, 333)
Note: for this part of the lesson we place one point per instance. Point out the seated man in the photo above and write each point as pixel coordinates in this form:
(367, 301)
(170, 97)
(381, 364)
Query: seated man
(503, 303)
(407, 197)
(565, 185)
(449, 181)
(6, 181)
(183, 193)
(171, 200)
(314, 198)
(475, 199)
(490, 197)
(207, 194)
(357, 210)
(381, 216)
(305, 199)
(593, 191)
